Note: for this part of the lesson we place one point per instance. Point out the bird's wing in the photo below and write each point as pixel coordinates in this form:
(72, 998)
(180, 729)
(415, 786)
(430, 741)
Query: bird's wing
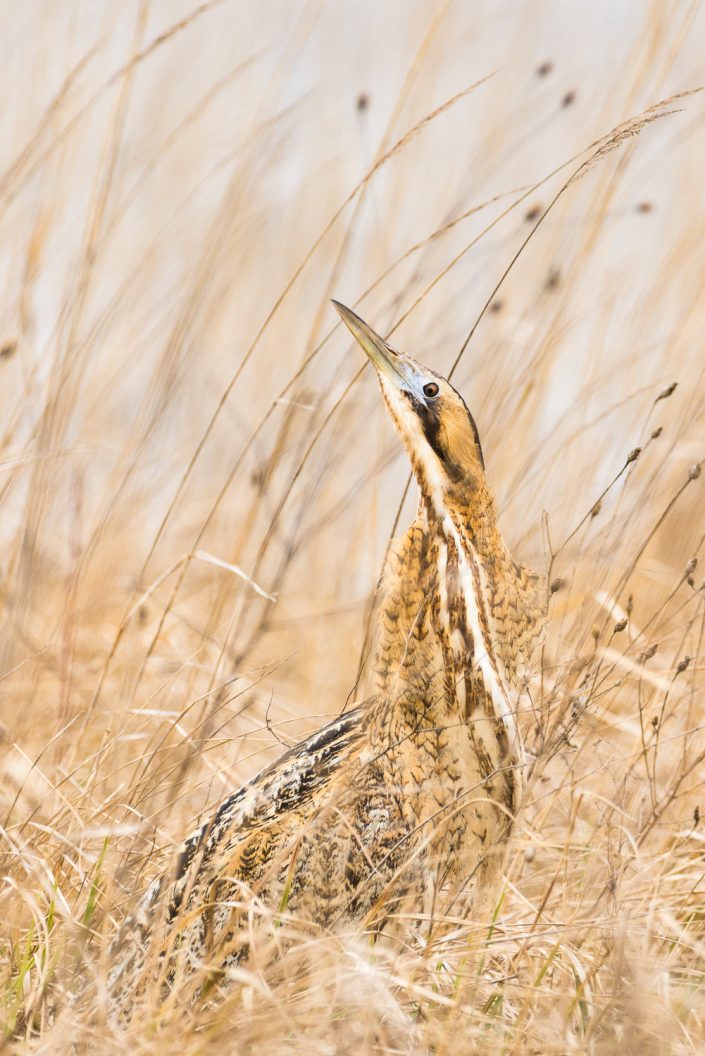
(283, 786)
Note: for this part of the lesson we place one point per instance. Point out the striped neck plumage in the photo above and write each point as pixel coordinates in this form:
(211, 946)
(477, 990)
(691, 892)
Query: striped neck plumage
(437, 621)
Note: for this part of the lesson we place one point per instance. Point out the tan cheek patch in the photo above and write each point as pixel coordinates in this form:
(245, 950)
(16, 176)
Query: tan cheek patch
(456, 436)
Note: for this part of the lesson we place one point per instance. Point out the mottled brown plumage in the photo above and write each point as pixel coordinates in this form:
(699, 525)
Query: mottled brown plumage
(415, 790)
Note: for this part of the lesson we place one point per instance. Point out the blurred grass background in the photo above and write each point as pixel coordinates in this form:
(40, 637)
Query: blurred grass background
(185, 429)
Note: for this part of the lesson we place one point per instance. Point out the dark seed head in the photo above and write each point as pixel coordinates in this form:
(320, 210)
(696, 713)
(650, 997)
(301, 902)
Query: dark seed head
(553, 279)
(258, 477)
(668, 391)
(647, 654)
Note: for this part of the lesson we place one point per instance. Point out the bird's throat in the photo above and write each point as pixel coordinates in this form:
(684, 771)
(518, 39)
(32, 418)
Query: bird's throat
(453, 635)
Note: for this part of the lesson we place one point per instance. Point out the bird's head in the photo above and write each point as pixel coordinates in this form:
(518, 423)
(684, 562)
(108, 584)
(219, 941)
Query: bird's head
(434, 422)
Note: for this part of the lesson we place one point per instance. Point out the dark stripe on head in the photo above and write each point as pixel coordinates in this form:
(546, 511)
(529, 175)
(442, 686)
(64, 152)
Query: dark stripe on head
(428, 415)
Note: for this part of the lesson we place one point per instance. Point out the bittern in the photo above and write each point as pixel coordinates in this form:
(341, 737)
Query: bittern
(416, 789)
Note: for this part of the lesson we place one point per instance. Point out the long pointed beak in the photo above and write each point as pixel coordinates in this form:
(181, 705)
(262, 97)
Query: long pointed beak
(384, 358)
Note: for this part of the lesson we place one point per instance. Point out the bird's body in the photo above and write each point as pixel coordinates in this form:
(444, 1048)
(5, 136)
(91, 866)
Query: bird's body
(416, 789)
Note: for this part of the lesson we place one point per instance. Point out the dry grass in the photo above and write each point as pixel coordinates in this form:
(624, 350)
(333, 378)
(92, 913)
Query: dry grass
(183, 190)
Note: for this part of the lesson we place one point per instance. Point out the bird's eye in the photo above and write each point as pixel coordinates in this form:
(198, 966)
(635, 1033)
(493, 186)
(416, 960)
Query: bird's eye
(430, 389)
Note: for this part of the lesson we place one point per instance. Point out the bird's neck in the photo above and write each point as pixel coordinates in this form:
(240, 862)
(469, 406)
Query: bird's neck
(458, 618)
(512, 598)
